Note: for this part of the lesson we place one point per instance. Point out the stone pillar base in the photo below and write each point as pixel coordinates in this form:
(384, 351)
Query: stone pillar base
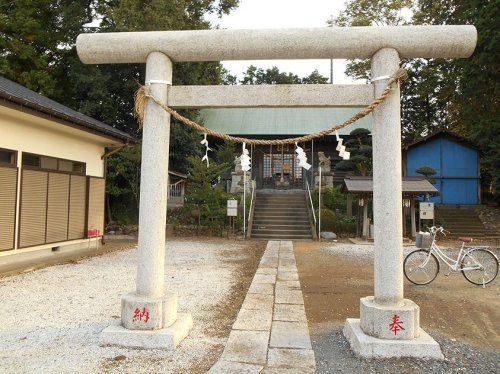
(146, 313)
(167, 338)
(370, 347)
(390, 331)
(398, 322)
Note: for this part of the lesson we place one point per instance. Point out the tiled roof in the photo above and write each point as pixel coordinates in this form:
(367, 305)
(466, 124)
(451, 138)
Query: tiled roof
(279, 121)
(411, 185)
(19, 94)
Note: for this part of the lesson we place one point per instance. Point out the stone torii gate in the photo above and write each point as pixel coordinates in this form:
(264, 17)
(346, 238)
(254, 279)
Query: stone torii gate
(374, 334)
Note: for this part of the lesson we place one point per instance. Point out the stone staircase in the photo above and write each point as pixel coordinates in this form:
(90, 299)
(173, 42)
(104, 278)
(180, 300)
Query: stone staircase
(463, 220)
(281, 215)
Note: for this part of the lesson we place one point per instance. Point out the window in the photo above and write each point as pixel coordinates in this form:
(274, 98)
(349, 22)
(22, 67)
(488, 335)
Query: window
(7, 157)
(65, 165)
(78, 167)
(48, 163)
(32, 161)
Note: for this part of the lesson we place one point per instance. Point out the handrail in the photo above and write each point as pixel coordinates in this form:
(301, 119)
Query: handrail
(312, 205)
(249, 220)
(251, 200)
(311, 200)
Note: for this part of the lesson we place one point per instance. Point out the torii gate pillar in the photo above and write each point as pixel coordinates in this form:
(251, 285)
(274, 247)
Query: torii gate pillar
(149, 317)
(389, 325)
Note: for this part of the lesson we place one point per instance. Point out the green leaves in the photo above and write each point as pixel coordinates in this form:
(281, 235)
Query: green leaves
(255, 75)
(204, 197)
(428, 172)
(459, 94)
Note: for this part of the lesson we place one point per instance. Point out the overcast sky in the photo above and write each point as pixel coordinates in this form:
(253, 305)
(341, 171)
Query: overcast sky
(263, 14)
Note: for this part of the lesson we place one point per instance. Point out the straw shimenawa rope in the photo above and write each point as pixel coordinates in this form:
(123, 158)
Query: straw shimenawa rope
(143, 94)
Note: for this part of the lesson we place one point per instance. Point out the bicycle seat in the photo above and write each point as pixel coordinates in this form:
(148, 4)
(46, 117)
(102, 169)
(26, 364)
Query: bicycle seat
(465, 239)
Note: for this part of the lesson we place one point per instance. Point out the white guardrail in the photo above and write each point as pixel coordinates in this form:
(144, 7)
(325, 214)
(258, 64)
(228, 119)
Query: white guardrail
(312, 205)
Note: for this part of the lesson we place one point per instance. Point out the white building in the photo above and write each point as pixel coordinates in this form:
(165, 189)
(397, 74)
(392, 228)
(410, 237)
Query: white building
(52, 176)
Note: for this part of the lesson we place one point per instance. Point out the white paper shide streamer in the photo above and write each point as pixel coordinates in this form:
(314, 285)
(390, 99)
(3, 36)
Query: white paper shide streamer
(341, 148)
(302, 157)
(207, 149)
(245, 159)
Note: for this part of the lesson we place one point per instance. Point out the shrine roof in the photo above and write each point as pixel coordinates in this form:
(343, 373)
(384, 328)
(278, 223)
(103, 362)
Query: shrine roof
(411, 186)
(279, 121)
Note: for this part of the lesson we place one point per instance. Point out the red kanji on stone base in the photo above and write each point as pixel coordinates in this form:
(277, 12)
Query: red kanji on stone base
(139, 315)
(396, 324)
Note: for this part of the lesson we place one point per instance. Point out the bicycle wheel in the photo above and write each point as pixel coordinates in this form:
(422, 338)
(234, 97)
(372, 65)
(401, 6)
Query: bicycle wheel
(482, 264)
(421, 267)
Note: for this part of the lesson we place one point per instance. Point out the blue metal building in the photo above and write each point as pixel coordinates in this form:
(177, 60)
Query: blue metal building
(456, 161)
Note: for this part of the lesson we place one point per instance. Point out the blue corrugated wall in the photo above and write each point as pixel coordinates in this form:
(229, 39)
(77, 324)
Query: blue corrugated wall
(457, 167)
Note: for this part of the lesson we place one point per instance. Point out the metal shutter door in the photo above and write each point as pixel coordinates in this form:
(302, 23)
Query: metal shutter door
(33, 208)
(57, 208)
(77, 204)
(8, 189)
(96, 204)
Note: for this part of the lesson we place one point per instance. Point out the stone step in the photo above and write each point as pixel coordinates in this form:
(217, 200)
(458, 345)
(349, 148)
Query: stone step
(463, 227)
(278, 225)
(454, 229)
(264, 224)
(287, 203)
(284, 206)
(289, 232)
(280, 210)
(459, 219)
(280, 237)
(283, 216)
(280, 202)
(297, 198)
(461, 222)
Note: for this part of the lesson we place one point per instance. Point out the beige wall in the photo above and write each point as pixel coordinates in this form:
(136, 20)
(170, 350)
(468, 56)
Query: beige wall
(27, 133)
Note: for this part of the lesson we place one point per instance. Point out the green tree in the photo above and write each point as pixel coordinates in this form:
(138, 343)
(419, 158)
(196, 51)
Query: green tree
(255, 75)
(124, 177)
(37, 49)
(37, 39)
(474, 83)
(203, 200)
(359, 145)
(458, 94)
(428, 172)
(225, 151)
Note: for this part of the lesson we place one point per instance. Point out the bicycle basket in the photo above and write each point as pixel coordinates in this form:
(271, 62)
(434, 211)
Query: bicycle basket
(423, 240)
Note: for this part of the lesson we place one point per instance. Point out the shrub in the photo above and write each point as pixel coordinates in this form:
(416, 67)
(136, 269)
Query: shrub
(327, 219)
(345, 224)
(332, 198)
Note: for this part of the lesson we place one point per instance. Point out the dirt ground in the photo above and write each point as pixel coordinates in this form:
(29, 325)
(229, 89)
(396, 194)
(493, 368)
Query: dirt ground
(333, 283)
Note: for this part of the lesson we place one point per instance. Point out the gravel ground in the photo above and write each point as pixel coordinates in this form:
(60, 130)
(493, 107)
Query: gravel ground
(51, 318)
(333, 355)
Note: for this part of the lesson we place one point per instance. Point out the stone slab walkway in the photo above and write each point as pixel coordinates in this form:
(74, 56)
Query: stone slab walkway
(270, 334)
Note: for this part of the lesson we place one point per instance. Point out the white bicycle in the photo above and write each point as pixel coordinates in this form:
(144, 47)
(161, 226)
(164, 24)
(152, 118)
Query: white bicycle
(478, 264)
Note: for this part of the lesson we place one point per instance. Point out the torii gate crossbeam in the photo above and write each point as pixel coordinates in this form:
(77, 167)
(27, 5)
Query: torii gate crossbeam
(371, 335)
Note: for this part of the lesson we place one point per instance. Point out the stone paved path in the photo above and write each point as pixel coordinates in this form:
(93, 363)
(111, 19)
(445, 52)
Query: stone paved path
(270, 334)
